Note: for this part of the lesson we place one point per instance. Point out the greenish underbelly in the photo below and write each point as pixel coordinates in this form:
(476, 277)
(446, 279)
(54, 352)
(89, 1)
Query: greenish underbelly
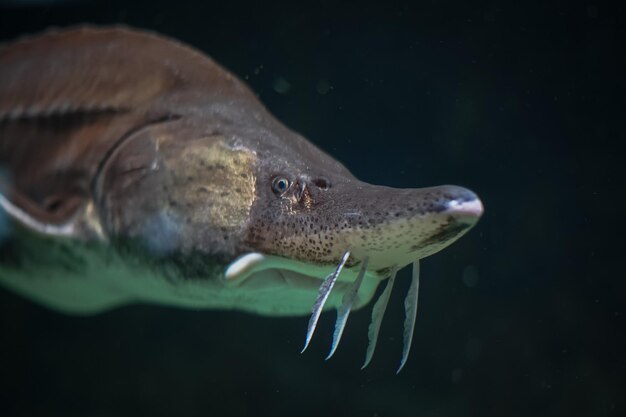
(78, 278)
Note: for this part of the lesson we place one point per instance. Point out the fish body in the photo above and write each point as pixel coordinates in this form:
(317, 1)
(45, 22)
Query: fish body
(134, 168)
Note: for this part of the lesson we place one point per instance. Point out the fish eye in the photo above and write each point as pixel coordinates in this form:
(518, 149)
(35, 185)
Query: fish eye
(280, 185)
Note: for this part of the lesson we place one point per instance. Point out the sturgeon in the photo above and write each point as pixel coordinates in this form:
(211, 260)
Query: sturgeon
(136, 169)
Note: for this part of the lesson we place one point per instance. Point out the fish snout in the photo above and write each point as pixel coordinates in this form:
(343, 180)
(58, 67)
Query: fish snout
(412, 224)
(460, 203)
(389, 229)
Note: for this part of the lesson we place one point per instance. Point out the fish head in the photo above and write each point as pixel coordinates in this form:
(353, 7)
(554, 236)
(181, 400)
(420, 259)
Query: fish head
(276, 210)
(309, 210)
(317, 219)
(309, 207)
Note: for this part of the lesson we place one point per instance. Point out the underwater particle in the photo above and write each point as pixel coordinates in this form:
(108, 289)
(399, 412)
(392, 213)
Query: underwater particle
(470, 276)
(281, 85)
(323, 86)
(457, 375)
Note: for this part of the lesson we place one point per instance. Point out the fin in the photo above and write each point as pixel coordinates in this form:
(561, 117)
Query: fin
(378, 313)
(410, 311)
(73, 217)
(346, 305)
(322, 296)
(32, 223)
(242, 267)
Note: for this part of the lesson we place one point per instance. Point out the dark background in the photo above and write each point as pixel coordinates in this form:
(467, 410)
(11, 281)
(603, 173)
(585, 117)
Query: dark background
(523, 102)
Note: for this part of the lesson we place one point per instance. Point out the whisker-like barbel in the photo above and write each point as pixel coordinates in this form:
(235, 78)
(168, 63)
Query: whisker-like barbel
(410, 311)
(378, 312)
(322, 296)
(346, 305)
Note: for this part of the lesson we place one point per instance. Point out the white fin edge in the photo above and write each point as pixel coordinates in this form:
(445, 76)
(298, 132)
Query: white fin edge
(67, 229)
(243, 266)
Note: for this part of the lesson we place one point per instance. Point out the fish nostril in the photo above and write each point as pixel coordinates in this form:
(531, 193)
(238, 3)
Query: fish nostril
(321, 183)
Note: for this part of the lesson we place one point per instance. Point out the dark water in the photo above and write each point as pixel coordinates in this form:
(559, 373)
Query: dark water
(525, 316)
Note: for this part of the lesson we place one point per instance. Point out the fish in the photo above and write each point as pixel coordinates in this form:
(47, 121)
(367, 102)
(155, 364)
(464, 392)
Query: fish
(135, 169)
